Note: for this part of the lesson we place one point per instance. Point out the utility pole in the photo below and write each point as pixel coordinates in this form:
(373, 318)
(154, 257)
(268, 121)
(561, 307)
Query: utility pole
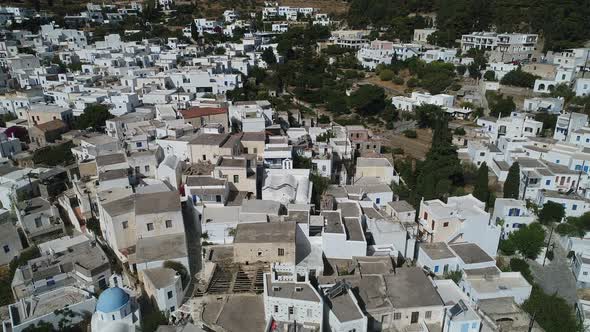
(532, 322)
(548, 243)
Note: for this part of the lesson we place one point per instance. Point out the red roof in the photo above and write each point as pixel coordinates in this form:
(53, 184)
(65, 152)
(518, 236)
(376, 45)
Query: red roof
(197, 112)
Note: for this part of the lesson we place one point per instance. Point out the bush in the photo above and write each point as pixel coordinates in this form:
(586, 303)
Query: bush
(386, 75)
(519, 78)
(461, 69)
(409, 133)
(489, 75)
(397, 80)
(412, 82)
(398, 151)
(520, 265)
(507, 247)
(459, 131)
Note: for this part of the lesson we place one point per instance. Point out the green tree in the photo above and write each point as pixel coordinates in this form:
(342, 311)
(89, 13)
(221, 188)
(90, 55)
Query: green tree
(551, 212)
(481, 190)
(94, 116)
(386, 75)
(489, 75)
(500, 106)
(368, 100)
(427, 114)
(519, 78)
(529, 240)
(268, 56)
(551, 312)
(575, 226)
(512, 183)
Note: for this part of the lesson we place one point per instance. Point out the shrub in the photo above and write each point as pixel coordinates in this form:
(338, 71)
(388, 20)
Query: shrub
(412, 82)
(397, 80)
(398, 151)
(409, 133)
(386, 75)
(520, 265)
(489, 75)
(459, 131)
(519, 78)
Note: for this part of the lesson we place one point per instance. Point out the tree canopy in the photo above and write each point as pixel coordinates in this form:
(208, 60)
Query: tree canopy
(94, 116)
(519, 78)
(527, 240)
(512, 183)
(368, 99)
(563, 23)
(481, 190)
(551, 212)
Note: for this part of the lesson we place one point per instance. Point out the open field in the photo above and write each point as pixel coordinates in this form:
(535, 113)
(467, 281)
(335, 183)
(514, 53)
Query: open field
(413, 147)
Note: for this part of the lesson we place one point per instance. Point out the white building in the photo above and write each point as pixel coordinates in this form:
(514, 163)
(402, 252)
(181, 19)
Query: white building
(511, 214)
(503, 47)
(461, 219)
(540, 104)
(459, 314)
(164, 287)
(491, 283)
(116, 310)
(288, 301)
(382, 52)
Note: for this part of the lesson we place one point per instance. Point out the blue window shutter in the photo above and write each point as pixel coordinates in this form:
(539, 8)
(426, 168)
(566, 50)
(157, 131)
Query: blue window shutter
(436, 268)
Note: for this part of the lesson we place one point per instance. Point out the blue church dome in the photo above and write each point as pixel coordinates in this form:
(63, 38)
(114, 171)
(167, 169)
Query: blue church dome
(112, 299)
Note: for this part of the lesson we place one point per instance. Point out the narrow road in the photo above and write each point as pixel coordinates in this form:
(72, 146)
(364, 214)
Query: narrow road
(556, 276)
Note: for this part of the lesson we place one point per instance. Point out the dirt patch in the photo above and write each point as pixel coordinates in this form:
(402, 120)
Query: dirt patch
(324, 6)
(413, 147)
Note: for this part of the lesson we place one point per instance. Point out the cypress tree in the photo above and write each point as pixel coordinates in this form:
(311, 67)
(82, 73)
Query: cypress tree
(512, 184)
(481, 190)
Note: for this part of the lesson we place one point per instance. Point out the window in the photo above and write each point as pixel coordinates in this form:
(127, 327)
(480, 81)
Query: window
(6, 249)
(172, 308)
(150, 227)
(481, 154)
(291, 310)
(138, 144)
(547, 182)
(218, 198)
(557, 161)
(204, 157)
(585, 273)
(125, 224)
(276, 308)
(255, 150)
(397, 315)
(281, 252)
(378, 200)
(169, 294)
(428, 315)
(38, 222)
(168, 223)
(436, 268)
(577, 138)
(147, 168)
(574, 207)
(236, 179)
(137, 170)
(309, 313)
